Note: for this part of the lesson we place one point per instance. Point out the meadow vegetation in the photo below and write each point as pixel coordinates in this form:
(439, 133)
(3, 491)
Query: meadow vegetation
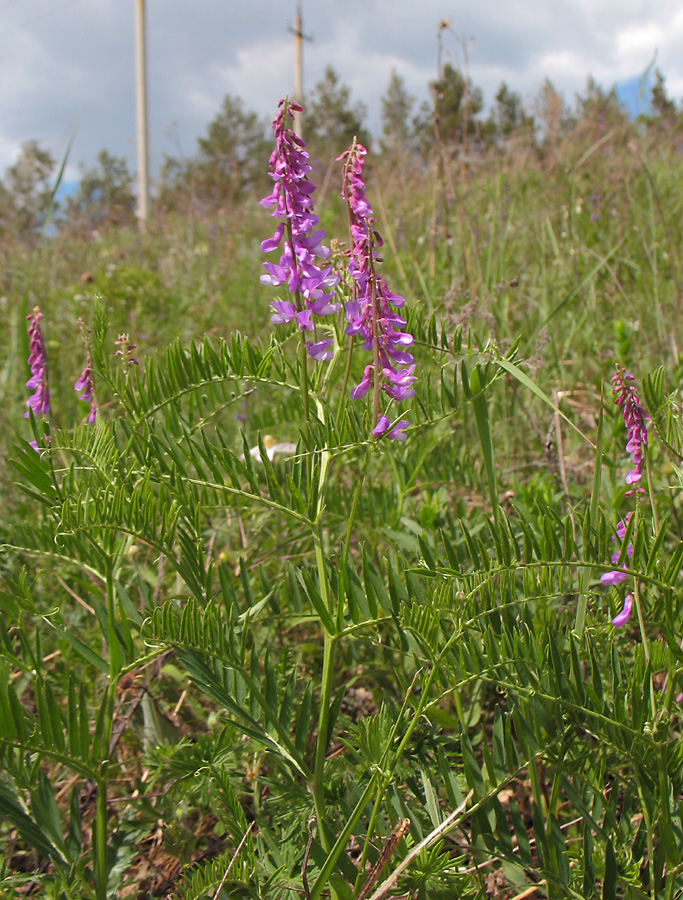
(444, 664)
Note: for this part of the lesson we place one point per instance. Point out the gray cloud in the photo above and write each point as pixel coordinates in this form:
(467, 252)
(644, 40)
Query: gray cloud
(70, 63)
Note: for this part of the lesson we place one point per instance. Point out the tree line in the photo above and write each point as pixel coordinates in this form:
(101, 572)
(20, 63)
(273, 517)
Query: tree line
(230, 160)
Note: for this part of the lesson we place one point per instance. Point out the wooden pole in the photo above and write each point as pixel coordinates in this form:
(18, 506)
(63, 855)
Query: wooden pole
(298, 70)
(141, 110)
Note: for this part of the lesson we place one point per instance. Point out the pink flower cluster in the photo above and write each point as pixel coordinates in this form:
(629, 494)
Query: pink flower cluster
(85, 389)
(635, 419)
(291, 201)
(369, 313)
(39, 402)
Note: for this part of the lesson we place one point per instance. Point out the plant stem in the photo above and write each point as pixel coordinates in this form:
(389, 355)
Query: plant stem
(347, 371)
(304, 376)
(650, 489)
(100, 866)
(354, 505)
(321, 744)
(641, 620)
(375, 332)
(370, 831)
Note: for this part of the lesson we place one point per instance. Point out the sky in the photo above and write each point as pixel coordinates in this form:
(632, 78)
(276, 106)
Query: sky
(68, 65)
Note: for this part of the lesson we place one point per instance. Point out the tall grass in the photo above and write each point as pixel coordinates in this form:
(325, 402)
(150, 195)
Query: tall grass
(363, 666)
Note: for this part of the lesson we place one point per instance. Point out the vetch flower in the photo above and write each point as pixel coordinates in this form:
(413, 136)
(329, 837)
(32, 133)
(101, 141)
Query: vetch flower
(291, 201)
(617, 576)
(39, 402)
(85, 389)
(393, 431)
(369, 312)
(622, 617)
(320, 350)
(635, 419)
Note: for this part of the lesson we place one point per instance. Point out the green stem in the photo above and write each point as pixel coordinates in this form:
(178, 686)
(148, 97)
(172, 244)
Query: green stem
(304, 376)
(370, 831)
(375, 332)
(354, 505)
(101, 839)
(641, 619)
(321, 744)
(115, 665)
(347, 371)
(650, 489)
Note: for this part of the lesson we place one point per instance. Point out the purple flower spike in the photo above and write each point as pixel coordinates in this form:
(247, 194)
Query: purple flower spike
(368, 313)
(635, 419)
(85, 389)
(291, 201)
(39, 402)
(622, 617)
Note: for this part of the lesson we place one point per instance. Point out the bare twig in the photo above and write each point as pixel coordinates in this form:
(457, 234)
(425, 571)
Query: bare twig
(234, 857)
(389, 882)
(384, 857)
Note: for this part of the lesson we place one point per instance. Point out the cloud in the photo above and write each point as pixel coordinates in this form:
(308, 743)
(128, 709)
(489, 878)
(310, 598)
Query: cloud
(71, 62)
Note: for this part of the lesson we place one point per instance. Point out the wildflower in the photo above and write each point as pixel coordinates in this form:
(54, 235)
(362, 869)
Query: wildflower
(635, 419)
(85, 389)
(369, 312)
(39, 402)
(616, 577)
(622, 617)
(301, 245)
(320, 350)
(393, 431)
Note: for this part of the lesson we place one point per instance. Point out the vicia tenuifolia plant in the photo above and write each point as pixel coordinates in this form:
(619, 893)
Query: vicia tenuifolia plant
(635, 419)
(368, 309)
(326, 664)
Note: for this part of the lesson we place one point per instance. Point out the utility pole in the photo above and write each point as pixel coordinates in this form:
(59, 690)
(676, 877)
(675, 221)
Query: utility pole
(299, 36)
(141, 109)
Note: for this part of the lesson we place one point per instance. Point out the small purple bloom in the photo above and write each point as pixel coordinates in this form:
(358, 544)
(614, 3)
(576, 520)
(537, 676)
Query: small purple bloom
(622, 617)
(284, 311)
(381, 427)
(85, 388)
(393, 431)
(320, 351)
(39, 402)
(125, 350)
(364, 385)
(616, 577)
(397, 432)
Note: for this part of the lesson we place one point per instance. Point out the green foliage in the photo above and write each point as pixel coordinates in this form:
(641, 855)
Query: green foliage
(222, 674)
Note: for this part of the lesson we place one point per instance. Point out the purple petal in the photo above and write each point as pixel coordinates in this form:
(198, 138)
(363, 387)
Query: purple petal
(303, 320)
(284, 312)
(319, 351)
(364, 386)
(381, 427)
(622, 617)
(396, 433)
(610, 578)
(273, 243)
